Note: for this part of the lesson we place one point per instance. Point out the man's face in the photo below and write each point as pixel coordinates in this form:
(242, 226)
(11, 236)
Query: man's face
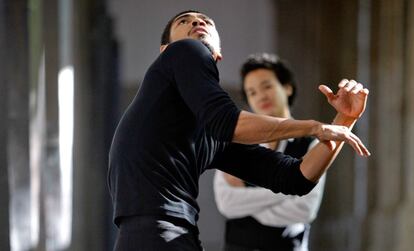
(196, 26)
(265, 94)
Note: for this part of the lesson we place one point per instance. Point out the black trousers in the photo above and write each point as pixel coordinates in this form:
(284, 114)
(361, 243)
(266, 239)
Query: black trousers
(150, 233)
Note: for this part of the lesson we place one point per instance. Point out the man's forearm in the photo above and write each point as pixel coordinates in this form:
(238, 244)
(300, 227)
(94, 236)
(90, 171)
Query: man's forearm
(253, 128)
(319, 158)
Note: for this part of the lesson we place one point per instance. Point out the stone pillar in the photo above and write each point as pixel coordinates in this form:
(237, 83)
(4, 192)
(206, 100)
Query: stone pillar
(17, 142)
(56, 192)
(96, 114)
(386, 169)
(83, 173)
(4, 83)
(390, 224)
(405, 241)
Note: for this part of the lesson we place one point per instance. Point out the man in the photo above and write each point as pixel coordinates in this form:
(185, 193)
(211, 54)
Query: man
(257, 218)
(181, 123)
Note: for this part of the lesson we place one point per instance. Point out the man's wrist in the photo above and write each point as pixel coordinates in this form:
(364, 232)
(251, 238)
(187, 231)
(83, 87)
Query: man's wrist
(316, 127)
(343, 120)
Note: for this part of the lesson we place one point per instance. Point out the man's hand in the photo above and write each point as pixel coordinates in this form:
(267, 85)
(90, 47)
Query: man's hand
(327, 134)
(350, 100)
(350, 103)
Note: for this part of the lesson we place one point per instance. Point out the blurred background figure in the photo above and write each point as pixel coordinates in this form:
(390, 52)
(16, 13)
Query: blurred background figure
(258, 219)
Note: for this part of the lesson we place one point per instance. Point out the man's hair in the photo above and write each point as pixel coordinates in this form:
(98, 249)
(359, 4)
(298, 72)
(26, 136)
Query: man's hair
(165, 37)
(273, 63)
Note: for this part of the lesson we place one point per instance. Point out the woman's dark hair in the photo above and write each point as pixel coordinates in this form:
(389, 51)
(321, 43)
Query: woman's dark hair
(270, 62)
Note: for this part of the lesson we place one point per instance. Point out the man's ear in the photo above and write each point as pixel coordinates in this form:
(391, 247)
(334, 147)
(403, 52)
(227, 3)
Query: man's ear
(217, 56)
(163, 47)
(288, 89)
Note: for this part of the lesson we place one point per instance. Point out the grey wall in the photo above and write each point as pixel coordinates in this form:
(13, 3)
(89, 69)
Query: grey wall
(244, 26)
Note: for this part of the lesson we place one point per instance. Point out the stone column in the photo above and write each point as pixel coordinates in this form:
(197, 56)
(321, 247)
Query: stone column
(4, 83)
(386, 170)
(18, 126)
(405, 241)
(95, 56)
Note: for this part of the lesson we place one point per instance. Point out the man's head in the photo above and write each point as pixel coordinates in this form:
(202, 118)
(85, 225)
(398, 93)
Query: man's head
(195, 25)
(268, 85)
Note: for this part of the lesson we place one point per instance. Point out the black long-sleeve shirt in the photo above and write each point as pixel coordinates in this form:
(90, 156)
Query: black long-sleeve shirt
(179, 124)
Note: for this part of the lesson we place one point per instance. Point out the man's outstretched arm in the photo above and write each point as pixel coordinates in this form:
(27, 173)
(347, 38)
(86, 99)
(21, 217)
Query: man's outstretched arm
(252, 128)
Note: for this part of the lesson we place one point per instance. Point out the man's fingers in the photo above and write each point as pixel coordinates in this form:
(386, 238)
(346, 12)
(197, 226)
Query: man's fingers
(357, 88)
(342, 133)
(326, 91)
(363, 148)
(349, 140)
(343, 83)
(348, 86)
(357, 144)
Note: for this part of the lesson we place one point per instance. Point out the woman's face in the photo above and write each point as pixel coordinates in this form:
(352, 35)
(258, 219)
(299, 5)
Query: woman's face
(265, 94)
